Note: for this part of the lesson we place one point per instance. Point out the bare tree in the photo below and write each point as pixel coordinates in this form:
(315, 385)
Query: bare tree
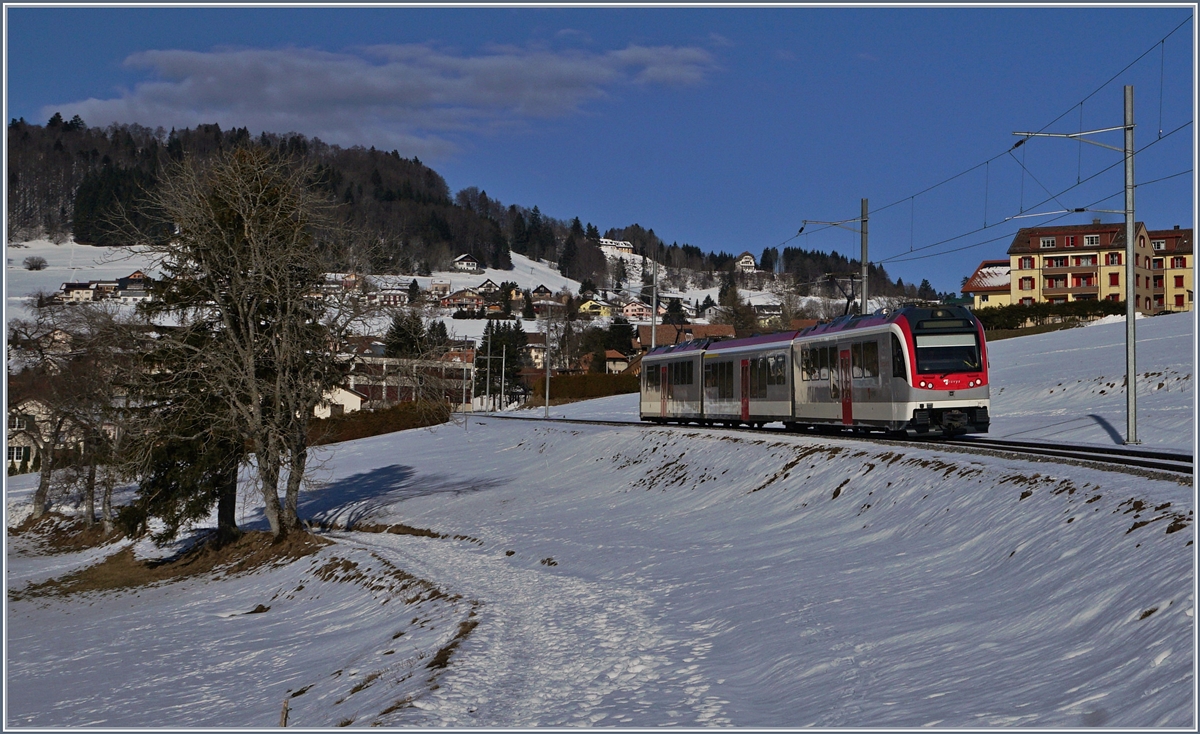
(244, 327)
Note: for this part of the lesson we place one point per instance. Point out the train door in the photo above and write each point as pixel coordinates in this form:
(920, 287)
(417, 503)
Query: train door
(662, 381)
(846, 386)
(745, 389)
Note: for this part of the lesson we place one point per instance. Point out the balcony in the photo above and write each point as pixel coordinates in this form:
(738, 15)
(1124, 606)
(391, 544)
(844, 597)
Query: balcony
(1082, 290)
(1071, 270)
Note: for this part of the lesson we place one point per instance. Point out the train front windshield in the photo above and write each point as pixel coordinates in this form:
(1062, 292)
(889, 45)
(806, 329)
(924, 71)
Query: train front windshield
(942, 353)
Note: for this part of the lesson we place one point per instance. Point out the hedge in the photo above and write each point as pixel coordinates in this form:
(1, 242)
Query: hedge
(1017, 315)
(588, 385)
(365, 423)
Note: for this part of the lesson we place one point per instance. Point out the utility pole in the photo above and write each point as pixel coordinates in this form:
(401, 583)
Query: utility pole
(546, 361)
(1130, 251)
(862, 309)
(654, 305)
(1130, 279)
(503, 367)
(487, 391)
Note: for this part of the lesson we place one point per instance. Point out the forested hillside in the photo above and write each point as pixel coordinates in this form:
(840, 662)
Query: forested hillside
(65, 179)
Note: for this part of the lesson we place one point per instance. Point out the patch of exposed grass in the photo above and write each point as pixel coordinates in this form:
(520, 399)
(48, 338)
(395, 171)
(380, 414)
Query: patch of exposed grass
(122, 570)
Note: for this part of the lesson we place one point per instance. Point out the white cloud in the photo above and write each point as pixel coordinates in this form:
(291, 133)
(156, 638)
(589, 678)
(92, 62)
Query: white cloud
(411, 96)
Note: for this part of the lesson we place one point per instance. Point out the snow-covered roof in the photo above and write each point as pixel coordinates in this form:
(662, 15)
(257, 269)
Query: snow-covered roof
(991, 275)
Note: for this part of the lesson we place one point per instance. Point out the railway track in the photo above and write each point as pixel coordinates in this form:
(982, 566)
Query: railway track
(1172, 463)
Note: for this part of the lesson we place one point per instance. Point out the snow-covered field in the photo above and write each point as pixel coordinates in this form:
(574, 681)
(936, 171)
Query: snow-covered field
(647, 576)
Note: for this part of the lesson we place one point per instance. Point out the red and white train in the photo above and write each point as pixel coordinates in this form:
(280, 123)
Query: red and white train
(914, 370)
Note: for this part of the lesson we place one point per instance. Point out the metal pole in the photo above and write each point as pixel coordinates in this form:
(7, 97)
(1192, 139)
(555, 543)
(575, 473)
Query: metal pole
(546, 361)
(487, 391)
(503, 367)
(862, 309)
(1130, 279)
(654, 307)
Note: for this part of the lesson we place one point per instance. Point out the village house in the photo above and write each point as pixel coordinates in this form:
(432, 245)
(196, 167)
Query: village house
(130, 289)
(989, 286)
(594, 308)
(339, 401)
(678, 334)
(615, 248)
(746, 263)
(467, 298)
(466, 264)
(487, 287)
(615, 362)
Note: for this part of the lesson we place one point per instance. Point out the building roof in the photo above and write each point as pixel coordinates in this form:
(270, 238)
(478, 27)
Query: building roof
(613, 354)
(1179, 241)
(671, 334)
(1112, 235)
(991, 275)
(465, 258)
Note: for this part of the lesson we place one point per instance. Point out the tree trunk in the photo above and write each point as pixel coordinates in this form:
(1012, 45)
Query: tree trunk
(41, 497)
(106, 515)
(227, 528)
(89, 487)
(296, 467)
(268, 477)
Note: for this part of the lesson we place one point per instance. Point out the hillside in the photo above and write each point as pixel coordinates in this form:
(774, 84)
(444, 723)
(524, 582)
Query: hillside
(649, 577)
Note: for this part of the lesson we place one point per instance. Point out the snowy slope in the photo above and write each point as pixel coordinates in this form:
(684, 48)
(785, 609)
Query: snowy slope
(644, 576)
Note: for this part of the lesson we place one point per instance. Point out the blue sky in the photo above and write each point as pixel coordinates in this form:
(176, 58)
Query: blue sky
(723, 128)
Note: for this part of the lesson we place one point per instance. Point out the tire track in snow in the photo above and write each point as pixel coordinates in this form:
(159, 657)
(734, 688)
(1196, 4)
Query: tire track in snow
(552, 649)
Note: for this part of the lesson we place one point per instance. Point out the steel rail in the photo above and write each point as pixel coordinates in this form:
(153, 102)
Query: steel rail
(1166, 461)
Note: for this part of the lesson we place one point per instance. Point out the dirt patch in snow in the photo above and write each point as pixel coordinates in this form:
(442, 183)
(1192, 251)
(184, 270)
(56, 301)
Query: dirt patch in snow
(58, 533)
(123, 570)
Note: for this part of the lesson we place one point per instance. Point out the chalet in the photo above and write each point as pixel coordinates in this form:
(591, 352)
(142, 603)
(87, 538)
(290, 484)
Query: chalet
(615, 362)
(466, 263)
(540, 293)
(615, 248)
(75, 292)
(130, 289)
(339, 401)
(389, 296)
(439, 289)
(746, 263)
(639, 311)
(487, 287)
(593, 308)
(464, 299)
(672, 334)
(990, 285)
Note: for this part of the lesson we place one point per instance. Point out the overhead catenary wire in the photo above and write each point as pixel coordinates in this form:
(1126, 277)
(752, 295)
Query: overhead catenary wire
(904, 258)
(1160, 43)
(1119, 162)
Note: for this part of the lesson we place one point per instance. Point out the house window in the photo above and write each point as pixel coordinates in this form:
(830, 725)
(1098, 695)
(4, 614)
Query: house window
(1069, 241)
(1115, 297)
(1158, 281)
(1179, 301)
(1138, 281)
(1083, 281)
(1179, 262)
(1084, 260)
(1158, 244)
(1113, 258)
(1114, 279)
(16, 422)
(1059, 282)
(17, 454)
(1157, 264)
(1091, 240)
(1158, 301)
(1026, 301)
(1137, 260)
(1026, 284)
(1056, 262)
(983, 298)
(1047, 243)
(1026, 263)
(1178, 281)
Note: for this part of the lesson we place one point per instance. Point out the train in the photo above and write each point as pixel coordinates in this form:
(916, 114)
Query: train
(913, 371)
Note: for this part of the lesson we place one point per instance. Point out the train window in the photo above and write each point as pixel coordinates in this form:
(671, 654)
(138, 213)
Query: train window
(898, 369)
(870, 359)
(947, 353)
(652, 373)
(710, 376)
(823, 362)
(776, 370)
(725, 381)
(856, 360)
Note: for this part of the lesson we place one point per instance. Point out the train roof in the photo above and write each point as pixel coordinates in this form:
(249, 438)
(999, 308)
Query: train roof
(888, 316)
(754, 341)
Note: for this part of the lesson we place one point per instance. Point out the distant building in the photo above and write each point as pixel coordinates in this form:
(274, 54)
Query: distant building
(466, 263)
(615, 248)
(990, 285)
(746, 263)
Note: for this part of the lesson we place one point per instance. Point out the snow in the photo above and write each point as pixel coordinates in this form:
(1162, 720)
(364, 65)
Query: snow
(641, 576)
